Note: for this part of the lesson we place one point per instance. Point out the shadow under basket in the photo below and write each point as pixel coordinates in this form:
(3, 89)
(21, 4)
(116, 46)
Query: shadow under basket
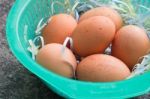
(29, 13)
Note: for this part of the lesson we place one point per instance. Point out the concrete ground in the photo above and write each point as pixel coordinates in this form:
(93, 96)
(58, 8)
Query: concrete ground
(15, 81)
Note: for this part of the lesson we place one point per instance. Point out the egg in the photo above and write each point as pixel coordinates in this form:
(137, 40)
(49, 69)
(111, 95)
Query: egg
(102, 68)
(58, 59)
(130, 43)
(93, 35)
(59, 27)
(104, 11)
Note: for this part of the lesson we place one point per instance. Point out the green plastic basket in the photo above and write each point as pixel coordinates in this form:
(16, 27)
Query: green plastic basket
(29, 12)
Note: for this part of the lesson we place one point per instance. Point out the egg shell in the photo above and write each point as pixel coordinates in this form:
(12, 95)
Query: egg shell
(102, 68)
(93, 35)
(104, 11)
(60, 61)
(130, 43)
(60, 27)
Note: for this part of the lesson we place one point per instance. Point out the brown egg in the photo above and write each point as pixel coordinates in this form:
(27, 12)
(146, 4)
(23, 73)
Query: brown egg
(93, 35)
(102, 68)
(130, 43)
(60, 27)
(104, 11)
(60, 61)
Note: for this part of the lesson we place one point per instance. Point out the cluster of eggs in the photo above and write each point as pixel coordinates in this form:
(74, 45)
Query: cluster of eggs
(92, 35)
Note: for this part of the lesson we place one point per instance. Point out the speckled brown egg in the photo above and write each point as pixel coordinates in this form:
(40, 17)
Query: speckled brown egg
(102, 68)
(93, 35)
(130, 43)
(58, 59)
(104, 11)
(60, 27)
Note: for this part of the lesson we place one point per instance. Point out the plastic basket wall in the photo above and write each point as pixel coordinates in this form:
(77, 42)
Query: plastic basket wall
(29, 13)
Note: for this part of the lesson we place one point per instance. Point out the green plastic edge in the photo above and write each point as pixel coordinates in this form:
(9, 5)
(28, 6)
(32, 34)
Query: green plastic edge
(13, 41)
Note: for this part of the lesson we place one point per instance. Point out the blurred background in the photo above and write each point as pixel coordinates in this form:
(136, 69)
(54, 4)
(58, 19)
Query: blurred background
(15, 81)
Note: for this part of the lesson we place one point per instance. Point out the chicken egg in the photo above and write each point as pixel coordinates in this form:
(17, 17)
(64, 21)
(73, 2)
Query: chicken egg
(102, 68)
(58, 59)
(104, 11)
(93, 35)
(130, 43)
(59, 27)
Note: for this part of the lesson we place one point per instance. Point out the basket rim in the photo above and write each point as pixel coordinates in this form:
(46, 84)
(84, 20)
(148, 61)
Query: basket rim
(124, 89)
